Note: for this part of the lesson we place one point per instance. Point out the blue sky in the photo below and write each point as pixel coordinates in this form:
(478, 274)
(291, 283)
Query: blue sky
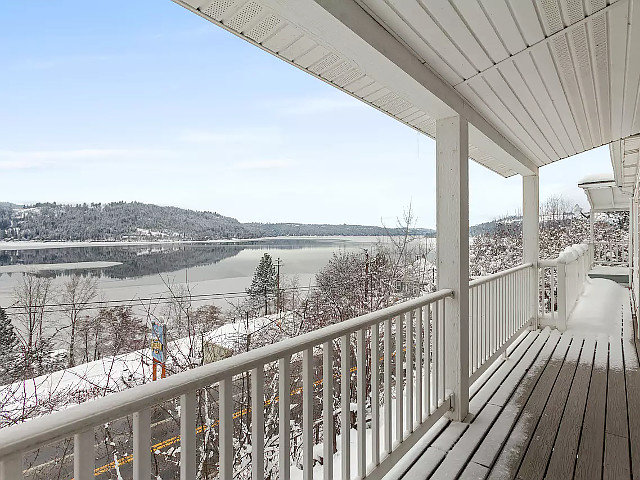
(146, 101)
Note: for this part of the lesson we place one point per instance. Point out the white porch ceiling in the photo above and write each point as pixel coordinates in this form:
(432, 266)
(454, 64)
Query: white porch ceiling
(538, 80)
(625, 159)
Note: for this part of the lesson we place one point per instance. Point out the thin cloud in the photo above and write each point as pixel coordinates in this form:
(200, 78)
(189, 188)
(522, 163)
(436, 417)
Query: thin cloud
(48, 63)
(264, 164)
(17, 160)
(230, 137)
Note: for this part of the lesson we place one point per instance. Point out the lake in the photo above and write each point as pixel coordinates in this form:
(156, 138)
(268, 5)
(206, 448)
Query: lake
(134, 272)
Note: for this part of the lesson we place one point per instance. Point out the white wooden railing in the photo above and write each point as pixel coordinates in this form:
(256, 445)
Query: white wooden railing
(500, 309)
(561, 283)
(611, 253)
(406, 395)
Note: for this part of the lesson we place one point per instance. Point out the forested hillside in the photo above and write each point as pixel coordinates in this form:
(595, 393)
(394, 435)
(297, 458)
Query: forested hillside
(141, 221)
(114, 221)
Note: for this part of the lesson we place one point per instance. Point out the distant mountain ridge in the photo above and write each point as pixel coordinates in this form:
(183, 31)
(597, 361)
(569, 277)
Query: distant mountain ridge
(119, 221)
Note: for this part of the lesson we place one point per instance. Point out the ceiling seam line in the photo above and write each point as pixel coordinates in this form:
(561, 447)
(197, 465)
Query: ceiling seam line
(497, 116)
(553, 104)
(566, 96)
(464, 22)
(626, 64)
(515, 21)
(527, 112)
(574, 66)
(544, 115)
(495, 30)
(446, 34)
(517, 119)
(592, 79)
(455, 70)
(549, 38)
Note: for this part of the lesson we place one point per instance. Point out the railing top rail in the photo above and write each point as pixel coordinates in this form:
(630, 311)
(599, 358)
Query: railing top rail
(569, 254)
(44, 430)
(487, 278)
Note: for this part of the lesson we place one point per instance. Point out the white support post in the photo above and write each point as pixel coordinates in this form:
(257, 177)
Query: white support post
(452, 219)
(531, 236)
(562, 294)
(592, 236)
(636, 252)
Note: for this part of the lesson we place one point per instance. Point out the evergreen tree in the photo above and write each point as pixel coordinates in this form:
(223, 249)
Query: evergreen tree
(9, 350)
(264, 283)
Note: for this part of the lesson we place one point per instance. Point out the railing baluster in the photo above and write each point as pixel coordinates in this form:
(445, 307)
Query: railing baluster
(307, 414)
(375, 392)
(327, 410)
(474, 317)
(553, 294)
(387, 387)
(435, 367)
(84, 462)
(485, 333)
(345, 405)
(426, 399)
(409, 373)
(399, 379)
(361, 394)
(257, 423)
(142, 444)
(419, 360)
(441, 348)
(188, 435)
(226, 428)
(284, 413)
(11, 467)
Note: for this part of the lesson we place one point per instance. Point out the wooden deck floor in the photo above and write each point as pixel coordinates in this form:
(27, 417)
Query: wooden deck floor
(562, 406)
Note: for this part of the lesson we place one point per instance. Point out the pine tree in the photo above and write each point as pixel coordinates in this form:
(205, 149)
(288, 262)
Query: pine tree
(9, 350)
(264, 283)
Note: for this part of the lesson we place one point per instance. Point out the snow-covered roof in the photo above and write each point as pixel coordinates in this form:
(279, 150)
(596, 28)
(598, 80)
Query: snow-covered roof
(605, 195)
(597, 178)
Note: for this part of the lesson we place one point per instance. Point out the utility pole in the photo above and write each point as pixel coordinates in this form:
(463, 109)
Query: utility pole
(366, 276)
(278, 263)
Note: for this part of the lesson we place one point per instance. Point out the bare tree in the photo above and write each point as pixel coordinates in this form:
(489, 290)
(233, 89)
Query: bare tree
(77, 293)
(31, 298)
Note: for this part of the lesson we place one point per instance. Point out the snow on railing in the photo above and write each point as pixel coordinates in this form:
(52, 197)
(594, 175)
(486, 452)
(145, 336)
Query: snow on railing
(561, 283)
(399, 387)
(611, 253)
(499, 311)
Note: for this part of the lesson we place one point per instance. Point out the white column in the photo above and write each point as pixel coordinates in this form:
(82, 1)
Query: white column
(531, 236)
(452, 218)
(631, 233)
(592, 236)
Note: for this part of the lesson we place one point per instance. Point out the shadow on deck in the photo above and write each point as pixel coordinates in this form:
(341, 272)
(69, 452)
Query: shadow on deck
(562, 406)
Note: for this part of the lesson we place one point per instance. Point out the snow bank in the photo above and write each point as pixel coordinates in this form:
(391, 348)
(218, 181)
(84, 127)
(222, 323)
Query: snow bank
(599, 308)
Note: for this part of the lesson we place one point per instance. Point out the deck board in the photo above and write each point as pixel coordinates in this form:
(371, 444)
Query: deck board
(495, 439)
(563, 458)
(616, 422)
(616, 458)
(510, 457)
(632, 371)
(590, 451)
(474, 471)
(538, 452)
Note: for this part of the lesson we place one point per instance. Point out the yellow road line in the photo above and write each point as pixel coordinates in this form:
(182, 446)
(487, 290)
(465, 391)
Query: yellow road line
(173, 440)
